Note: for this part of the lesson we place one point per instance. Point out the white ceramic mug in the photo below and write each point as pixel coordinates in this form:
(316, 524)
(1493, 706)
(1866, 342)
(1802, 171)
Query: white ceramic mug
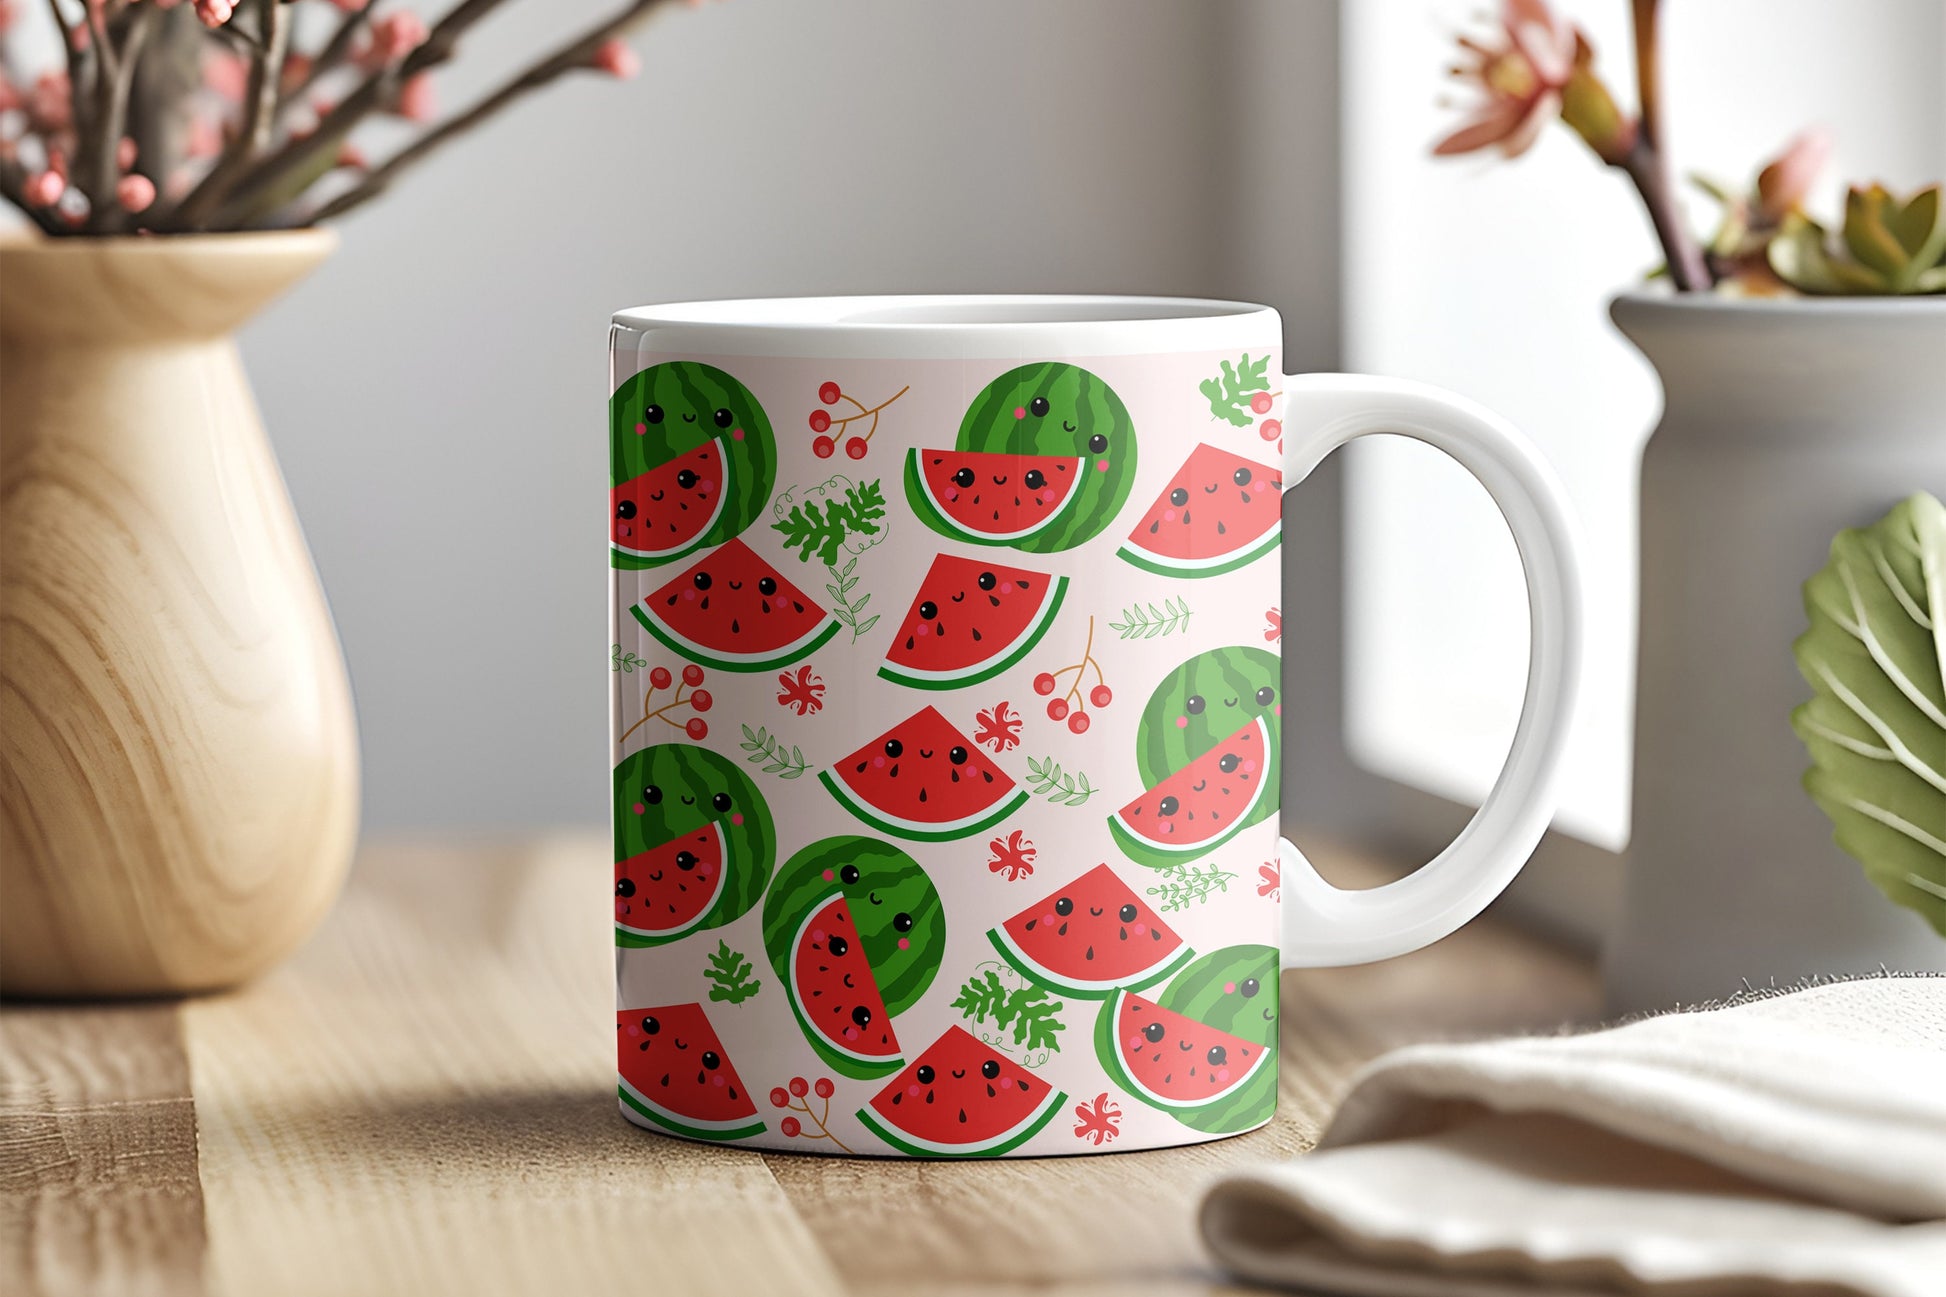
(946, 717)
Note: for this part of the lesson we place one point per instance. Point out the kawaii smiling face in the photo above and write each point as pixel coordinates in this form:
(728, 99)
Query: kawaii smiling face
(1057, 409)
(1204, 701)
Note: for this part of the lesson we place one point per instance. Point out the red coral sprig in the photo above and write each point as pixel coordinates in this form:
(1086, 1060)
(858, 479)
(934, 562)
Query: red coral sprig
(1099, 1121)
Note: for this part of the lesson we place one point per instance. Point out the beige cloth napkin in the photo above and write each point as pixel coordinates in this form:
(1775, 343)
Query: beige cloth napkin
(1794, 1144)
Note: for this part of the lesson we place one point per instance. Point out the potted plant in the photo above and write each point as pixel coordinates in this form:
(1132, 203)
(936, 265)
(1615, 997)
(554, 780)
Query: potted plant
(178, 764)
(1804, 394)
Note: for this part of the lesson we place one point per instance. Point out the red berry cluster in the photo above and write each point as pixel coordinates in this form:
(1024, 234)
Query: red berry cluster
(856, 445)
(696, 699)
(1269, 429)
(1069, 706)
(794, 1100)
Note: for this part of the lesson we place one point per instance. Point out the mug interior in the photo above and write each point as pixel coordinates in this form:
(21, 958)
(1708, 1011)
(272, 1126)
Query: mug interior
(956, 324)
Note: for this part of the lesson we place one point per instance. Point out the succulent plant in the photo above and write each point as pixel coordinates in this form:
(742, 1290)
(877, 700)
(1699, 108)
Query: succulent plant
(1875, 656)
(1886, 248)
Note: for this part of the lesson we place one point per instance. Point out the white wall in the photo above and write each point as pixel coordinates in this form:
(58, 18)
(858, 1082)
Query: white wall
(437, 393)
(1491, 278)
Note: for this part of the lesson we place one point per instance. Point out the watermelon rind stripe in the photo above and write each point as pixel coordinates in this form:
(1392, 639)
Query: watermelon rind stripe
(805, 645)
(1110, 1050)
(734, 1128)
(636, 938)
(917, 832)
(864, 1067)
(660, 556)
(987, 669)
(1033, 971)
(1137, 845)
(934, 515)
(1214, 565)
(994, 1147)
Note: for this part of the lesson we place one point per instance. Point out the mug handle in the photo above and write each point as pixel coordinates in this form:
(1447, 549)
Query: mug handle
(1325, 926)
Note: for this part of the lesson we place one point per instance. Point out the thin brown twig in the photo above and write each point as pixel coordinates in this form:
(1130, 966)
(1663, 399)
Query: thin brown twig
(569, 57)
(328, 59)
(1647, 163)
(117, 77)
(259, 99)
(379, 90)
(79, 64)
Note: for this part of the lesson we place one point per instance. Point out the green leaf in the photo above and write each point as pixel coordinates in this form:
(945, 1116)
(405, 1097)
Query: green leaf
(1876, 725)
(1229, 395)
(730, 972)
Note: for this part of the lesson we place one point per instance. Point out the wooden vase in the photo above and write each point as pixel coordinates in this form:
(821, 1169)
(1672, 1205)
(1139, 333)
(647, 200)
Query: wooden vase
(178, 759)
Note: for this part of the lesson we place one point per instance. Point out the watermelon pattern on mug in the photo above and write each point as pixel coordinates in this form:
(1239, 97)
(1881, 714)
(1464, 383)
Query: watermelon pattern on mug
(924, 780)
(1219, 512)
(694, 843)
(674, 1071)
(1205, 1051)
(691, 462)
(971, 620)
(1044, 460)
(855, 931)
(733, 611)
(961, 1098)
(1089, 938)
(1207, 752)
(854, 925)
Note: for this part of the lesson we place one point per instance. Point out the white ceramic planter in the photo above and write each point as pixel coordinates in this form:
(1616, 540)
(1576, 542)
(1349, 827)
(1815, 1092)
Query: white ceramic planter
(1784, 422)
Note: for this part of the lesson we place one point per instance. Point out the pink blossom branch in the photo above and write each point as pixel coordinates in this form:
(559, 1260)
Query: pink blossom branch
(1647, 163)
(13, 182)
(335, 51)
(78, 68)
(115, 77)
(574, 55)
(379, 90)
(259, 105)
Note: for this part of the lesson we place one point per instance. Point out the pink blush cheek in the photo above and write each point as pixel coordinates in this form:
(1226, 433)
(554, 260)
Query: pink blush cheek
(737, 435)
(638, 808)
(905, 943)
(717, 1079)
(1101, 466)
(1182, 722)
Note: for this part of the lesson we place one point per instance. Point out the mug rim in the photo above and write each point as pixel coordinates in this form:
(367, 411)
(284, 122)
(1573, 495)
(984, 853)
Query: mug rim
(952, 325)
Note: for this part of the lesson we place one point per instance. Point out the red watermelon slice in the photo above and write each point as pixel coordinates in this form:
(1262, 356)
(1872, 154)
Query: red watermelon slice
(1090, 937)
(1173, 1061)
(835, 992)
(923, 779)
(992, 498)
(1219, 512)
(676, 1074)
(970, 621)
(1201, 806)
(666, 890)
(961, 1099)
(663, 513)
(733, 611)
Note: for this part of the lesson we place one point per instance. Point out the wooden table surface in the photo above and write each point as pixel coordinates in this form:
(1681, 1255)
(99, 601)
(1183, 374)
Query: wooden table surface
(422, 1101)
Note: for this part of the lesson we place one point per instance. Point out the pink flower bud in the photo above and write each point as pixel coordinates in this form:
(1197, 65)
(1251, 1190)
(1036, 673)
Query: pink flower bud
(44, 190)
(416, 98)
(10, 96)
(352, 157)
(125, 153)
(396, 35)
(351, 6)
(215, 13)
(49, 108)
(134, 192)
(225, 75)
(616, 59)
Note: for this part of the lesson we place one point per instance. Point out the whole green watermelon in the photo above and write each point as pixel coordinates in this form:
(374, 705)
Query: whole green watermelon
(1201, 703)
(900, 920)
(1051, 408)
(1234, 990)
(666, 791)
(668, 409)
